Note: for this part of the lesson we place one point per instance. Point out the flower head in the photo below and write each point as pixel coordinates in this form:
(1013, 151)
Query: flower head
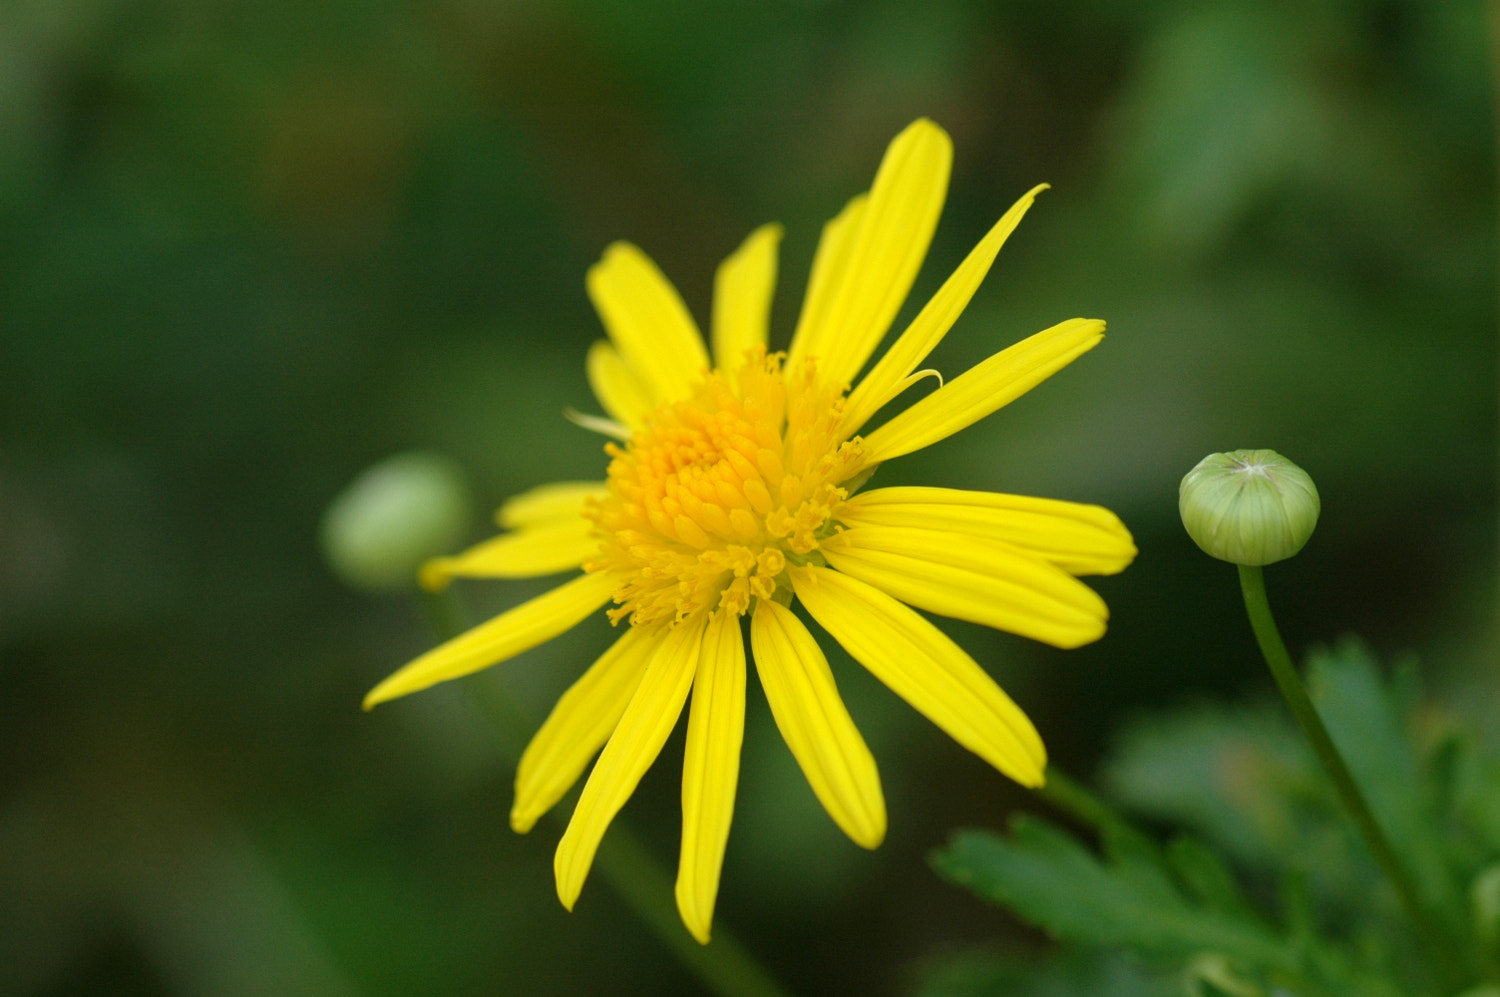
(734, 490)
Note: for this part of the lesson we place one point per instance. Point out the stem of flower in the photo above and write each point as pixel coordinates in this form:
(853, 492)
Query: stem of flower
(724, 966)
(1253, 586)
(1077, 801)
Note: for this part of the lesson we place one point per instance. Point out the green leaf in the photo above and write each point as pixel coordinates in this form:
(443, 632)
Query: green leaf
(1131, 900)
(1233, 775)
(1206, 876)
(1366, 717)
(1243, 779)
(1051, 880)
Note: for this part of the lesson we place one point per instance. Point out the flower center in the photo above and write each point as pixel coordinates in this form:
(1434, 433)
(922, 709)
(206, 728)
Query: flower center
(717, 494)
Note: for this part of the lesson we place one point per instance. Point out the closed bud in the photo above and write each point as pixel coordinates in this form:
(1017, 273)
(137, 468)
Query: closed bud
(1249, 507)
(394, 516)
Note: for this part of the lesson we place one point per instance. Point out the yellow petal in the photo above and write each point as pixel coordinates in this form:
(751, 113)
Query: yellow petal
(578, 726)
(891, 375)
(549, 503)
(710, 770)
(924, 667)
(815, 724)
(967, 578)
(528, 553)
(829, 269)
(647, 322)
(616, 386)
(867, 283)
(1080, 539)
(742, 297)
(983, 388)
(643, 728)
(505, 636)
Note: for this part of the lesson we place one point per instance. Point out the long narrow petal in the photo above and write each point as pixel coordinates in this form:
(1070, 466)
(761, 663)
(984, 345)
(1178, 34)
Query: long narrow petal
(549, 503)
(647, 321)
(742, 297)
(983, 388)
(617, 387)
(924, 667)
(577, 727)
(883, 257)
(711, 770)
(1080, 539)
(967, 578)
(890, 376)
(643, 728)
(817, 727)
(505, 636)
(528, 553)
(829, 267)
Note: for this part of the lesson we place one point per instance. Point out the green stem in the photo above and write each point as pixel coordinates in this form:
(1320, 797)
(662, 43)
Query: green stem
(724, 966)
(1253, 586)
(1074, 799)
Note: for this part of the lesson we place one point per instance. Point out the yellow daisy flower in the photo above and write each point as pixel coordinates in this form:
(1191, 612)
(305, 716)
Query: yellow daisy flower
(734, 491)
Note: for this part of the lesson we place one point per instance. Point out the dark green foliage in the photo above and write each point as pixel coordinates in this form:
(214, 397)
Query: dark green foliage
(1127, 899)
(1334, 928)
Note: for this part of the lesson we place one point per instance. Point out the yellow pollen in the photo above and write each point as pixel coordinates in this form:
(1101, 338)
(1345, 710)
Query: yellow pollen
(718, 494)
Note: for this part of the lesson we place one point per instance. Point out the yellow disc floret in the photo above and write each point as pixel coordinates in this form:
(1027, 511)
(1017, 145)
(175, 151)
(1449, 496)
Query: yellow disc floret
(716, 495)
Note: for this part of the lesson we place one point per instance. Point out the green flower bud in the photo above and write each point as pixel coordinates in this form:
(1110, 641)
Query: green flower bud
(1248, 507)
(394, 516)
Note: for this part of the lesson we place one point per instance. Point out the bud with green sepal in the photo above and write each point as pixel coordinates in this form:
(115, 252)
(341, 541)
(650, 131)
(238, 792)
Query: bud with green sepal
(1249, 507)
(394, 516)
(1253, 508)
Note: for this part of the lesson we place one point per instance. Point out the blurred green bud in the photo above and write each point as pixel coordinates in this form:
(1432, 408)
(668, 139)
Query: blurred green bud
(394, 516)
(1248, 507)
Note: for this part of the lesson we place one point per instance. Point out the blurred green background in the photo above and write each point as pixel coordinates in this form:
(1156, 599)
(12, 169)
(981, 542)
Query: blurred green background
(247, 249)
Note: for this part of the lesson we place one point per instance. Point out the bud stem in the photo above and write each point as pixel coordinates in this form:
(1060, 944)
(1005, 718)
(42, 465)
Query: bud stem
(1258, 607)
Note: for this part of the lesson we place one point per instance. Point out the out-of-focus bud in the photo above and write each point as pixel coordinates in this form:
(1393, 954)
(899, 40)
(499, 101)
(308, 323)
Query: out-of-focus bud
(1248, 507)
(394, 516)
